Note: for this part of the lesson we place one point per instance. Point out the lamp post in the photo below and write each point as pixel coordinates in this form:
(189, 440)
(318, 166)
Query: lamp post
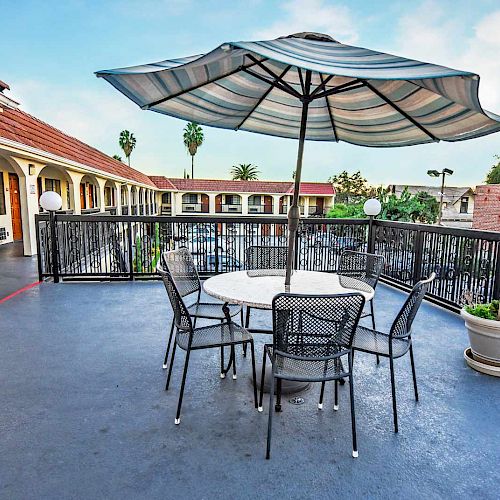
(372, 208)
(442, 174)
(51, 201)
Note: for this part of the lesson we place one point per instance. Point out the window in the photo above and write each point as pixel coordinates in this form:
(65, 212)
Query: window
(464, 205)
(109, 197)
(53, 185)
(232, 199)
(190, 198)
(165, 198)
(2, 195)
(255, 200)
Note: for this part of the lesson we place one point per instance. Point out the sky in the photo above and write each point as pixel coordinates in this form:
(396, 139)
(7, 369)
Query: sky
(50, 51)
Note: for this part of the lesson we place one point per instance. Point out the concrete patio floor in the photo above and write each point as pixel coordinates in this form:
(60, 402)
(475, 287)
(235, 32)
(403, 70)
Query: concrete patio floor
(84, 413)
(16, 270)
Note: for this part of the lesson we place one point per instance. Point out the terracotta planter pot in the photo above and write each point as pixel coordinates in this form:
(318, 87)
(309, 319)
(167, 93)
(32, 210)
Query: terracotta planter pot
(484, 336)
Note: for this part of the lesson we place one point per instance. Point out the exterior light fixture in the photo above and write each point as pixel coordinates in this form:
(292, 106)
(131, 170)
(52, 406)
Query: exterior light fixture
(443, 174)
(50, 201)
(31, 169)
(372, 207)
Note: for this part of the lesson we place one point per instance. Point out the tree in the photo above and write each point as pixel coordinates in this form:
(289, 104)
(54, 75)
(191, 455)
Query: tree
(193, 139)
(493, 176)
(350, 188)
(117, 157)
(127, 143)
(244, 172)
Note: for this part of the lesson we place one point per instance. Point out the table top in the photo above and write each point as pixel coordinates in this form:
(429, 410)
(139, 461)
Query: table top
(258, 291)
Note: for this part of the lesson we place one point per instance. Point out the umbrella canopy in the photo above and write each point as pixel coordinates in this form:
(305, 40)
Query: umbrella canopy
(309, 86)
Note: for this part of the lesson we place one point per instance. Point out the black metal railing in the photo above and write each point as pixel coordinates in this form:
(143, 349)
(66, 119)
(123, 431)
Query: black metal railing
(128, 247)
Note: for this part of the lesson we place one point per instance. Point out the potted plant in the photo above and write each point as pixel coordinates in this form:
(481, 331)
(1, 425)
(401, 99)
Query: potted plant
(483, 326)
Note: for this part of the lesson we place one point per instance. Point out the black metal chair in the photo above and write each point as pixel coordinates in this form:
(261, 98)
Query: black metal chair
(189, 338)
(312, 334)
(398, 341)
(261, 260)
(179, 263)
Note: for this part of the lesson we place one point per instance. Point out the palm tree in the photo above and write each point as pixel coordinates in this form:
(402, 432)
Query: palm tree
(127, 143)
(193, 139)
(117, 157)
(245, 172)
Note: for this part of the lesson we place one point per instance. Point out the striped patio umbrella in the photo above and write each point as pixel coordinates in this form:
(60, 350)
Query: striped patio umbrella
(309, 86)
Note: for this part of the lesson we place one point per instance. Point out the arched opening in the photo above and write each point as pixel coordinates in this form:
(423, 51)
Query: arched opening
(124, 199)
(284, 204)
(110, 196)
(231, 203)
(166, 204)
(191, 203)
(56, 179)
(89, 194)
(141, 201)
(260, 204)
(134, 199)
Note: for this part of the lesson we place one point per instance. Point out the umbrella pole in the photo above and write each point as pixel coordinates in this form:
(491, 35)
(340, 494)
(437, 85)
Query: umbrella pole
(294, 212)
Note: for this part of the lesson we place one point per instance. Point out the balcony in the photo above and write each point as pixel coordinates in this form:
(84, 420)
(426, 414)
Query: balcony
(232, 208)
(260, 209)
(194, 208)
(95, 409)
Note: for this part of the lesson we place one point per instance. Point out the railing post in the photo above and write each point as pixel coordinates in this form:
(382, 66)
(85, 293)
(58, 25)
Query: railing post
(130, 256)
(216, 247)
(53, 241)
(496, 284)
(38, 247)
(417, 256)
(371, 235)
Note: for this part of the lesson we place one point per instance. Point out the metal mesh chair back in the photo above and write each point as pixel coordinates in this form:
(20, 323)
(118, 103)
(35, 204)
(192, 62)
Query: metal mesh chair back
(315, 326)
(401, 326)
(180, 265)
(266, 260)
(182, 318)
(365, 267)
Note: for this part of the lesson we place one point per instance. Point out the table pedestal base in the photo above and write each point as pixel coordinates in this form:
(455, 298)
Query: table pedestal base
(287, 386)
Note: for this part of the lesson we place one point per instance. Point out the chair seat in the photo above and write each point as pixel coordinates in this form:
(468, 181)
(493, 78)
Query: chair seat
(214, 335)
(374, 342)
(212, 310)
(307, 370)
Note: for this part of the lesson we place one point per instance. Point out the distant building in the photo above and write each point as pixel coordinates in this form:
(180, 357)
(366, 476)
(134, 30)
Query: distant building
(257, 198)
(458, 202)
(487, 208)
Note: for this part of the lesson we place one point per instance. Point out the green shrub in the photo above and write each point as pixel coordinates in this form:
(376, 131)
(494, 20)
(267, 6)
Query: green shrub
(343, 211)
(486, 311)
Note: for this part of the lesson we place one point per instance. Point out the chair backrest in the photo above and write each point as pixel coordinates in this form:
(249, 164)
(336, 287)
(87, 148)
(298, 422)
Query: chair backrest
(401, 327)
(266, 257)
(362, 266)
(315, 326)
(180, 265)
(182, 318)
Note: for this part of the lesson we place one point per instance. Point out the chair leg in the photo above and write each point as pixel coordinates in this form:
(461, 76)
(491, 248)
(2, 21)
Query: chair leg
(353, 416)
(413, 373)
(165, 361)
(222, 367)
(183, 384)
(373, 325)
(336, 404)
(254, 376)
(270, 419)
(320, 404)
(233, 357)
(171, 366)
(393, 388)
(244, 345)
(262, 377)
(277, 407)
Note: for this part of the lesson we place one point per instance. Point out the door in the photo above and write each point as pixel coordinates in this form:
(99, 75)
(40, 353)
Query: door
(320, 205)
(82, 196)
(15, 207)
(218, 203)
(204, 203)
(268, 204)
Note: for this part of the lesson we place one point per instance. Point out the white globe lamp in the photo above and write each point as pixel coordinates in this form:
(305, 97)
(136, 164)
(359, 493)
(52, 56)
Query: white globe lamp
(50, 201)
(372, 207)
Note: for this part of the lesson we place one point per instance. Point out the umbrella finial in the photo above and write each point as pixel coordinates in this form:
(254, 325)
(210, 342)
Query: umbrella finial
(311, 35)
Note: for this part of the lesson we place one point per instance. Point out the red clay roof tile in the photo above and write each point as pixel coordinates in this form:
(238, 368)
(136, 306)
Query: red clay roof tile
(18, 126)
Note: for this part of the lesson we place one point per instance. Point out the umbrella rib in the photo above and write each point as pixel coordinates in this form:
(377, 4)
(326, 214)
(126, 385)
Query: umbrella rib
(299, 71)
(330, 112)
(322, 85)
(355, 84)
(271, 82)
(266, 93)
(291, 90)
(400, 111)
(177, 94)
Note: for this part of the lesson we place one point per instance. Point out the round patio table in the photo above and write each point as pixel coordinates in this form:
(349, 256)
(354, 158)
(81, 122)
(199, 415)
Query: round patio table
(257, 289)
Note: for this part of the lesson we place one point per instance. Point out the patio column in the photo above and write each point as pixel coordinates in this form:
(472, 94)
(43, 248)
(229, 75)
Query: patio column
(306, 206)
(211, 203)
(118, 198)
(244, 204)
(276, 204)
(74, 191)
(101, 182)
(29, 199)
(129, 196)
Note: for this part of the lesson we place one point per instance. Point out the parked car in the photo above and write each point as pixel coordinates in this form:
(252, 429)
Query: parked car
(227, 263)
